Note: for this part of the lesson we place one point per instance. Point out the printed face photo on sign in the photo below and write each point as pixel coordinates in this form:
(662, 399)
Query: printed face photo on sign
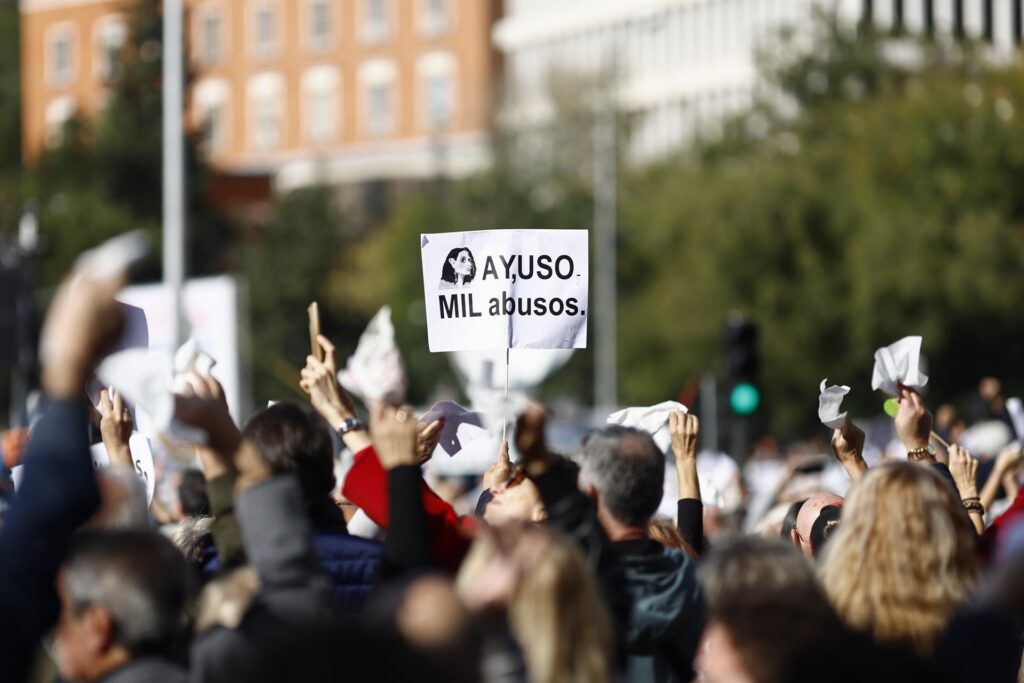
(458, 270)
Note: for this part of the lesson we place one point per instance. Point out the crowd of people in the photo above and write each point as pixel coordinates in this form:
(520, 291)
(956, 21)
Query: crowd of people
(565, 569)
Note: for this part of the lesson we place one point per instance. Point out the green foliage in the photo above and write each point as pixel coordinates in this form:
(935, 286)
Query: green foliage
(10, 118)
(286, 267)
(106, 176)
(873, 195)
(873, 213)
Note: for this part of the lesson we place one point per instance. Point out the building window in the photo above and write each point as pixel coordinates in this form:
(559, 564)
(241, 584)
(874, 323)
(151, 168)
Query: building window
(212, 140)
(320, 104)
(439, 102)
(375, 21)
(210, 38)
(434, 17)
(320, 24)
(267, 133)
(321, 115)
(380, 121)
(264, 30)
(210, 99)
(265, 102)
(436, 72)
(61, 57)
(377, 104)
(58, 113)
(110, 41)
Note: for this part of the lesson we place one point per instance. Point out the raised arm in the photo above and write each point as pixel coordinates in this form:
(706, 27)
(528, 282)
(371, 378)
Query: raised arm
(848, 447)
(58, 492)
(1007, 463)
(115, 428)
(407, 546)
(320, 381)
(685, 430)
(964, 469)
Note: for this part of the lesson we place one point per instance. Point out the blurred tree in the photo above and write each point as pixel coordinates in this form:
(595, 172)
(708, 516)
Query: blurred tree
(883, 204)
(106, 175)
(871, 194)
(287, 266)
(10, 118)
(10, 149)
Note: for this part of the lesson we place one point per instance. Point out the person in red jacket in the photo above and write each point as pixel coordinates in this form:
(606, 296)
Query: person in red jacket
(366, 485)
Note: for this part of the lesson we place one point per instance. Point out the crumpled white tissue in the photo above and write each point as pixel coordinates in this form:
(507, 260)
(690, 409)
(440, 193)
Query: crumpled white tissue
(652, 419)
(829, 402)
(147, 379)
(188, 358)
(375, 371)
(898, 363)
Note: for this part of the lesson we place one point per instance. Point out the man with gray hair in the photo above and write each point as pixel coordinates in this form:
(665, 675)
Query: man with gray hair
(122, 595)
(621, 481)
(623, 471)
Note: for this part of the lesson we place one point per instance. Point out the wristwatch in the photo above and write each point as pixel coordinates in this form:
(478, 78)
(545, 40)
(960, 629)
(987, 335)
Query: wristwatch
(921, 452)
(349, 425)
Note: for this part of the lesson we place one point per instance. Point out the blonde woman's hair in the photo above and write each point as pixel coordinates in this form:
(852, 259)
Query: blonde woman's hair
(903, 558)
(554, 610)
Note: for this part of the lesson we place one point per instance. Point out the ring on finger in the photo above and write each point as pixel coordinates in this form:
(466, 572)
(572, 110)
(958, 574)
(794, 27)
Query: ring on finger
(402, 415)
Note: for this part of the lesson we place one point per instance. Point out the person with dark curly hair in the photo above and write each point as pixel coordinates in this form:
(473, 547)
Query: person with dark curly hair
(459, 269)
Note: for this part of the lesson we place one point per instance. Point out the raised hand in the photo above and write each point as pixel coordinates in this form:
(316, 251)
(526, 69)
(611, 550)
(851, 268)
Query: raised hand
(205, 406)
(964, 469)
(320, 382)
(685, 429)
(848, 446)
(531, 440)
(1010, 458)
(427, 440)
(83, 321)
(500, 470)
(394, 431)
(913, 421)
(115, 427)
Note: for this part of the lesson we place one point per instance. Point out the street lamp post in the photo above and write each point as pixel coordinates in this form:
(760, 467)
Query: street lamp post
(605, 253)
(173, 162)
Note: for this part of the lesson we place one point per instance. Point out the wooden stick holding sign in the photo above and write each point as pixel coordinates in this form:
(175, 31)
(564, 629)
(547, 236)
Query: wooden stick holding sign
(504, 422)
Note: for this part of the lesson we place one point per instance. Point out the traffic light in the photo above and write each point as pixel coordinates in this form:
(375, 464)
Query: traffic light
(743, 365)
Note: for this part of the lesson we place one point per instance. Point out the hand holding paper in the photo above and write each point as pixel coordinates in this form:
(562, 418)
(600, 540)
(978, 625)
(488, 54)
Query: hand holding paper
(146, 379)
(848, 446)
(898, 363)
(83, 320)
(652, 419)
(190, 358)
(205, 411)
(829, 403)
(913, 421)
(428, 438)
(375, 371)
(394, 431)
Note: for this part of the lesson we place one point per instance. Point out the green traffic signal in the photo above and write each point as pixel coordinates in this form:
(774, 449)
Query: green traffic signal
(744, 398)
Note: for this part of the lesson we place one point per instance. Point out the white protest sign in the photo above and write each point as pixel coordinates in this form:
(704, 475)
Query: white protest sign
(498, 289)
(142, 461)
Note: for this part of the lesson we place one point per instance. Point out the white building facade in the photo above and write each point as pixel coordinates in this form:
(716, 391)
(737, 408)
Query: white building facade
(682, 65)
